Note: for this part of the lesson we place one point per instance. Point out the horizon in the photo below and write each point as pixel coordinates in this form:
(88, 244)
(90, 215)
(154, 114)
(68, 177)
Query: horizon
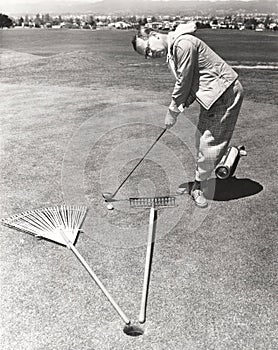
(12, 7)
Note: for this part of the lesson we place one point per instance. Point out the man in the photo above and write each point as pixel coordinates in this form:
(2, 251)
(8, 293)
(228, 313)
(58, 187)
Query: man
(203, 76)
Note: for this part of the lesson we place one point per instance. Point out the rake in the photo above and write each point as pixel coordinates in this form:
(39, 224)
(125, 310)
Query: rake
(153, 203)
(60, 224)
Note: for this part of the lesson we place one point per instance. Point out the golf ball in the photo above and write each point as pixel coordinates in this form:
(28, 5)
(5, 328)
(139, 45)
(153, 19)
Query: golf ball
(110, 206)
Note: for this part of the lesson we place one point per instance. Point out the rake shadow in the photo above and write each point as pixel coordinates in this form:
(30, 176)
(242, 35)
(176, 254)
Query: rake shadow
(233, 188)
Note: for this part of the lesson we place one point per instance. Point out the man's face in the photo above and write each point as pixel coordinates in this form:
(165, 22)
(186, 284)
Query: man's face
(153, 45)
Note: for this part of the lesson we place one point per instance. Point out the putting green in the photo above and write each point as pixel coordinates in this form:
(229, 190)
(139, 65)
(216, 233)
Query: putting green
(212, 282)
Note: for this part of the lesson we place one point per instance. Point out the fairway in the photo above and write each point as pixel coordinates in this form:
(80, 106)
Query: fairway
(78, 109)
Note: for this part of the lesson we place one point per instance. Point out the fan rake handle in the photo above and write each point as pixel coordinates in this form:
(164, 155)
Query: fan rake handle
(96, 279)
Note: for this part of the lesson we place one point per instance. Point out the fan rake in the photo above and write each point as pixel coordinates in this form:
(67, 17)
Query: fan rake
(60, 224)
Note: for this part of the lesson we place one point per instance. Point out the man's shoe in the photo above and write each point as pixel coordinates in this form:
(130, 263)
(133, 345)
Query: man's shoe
(199, 198)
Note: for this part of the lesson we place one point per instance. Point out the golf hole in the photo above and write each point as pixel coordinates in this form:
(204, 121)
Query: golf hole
(133, 331)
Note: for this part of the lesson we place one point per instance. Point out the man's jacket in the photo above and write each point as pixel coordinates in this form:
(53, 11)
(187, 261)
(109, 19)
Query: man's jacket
(200, 73)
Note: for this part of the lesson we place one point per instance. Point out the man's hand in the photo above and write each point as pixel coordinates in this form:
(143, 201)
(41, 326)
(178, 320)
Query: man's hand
(171, 118)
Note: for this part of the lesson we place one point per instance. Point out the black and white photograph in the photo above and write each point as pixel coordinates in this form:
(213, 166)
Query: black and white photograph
(138, 183)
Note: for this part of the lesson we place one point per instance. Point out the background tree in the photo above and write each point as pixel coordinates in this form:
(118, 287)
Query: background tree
(250, 23)
(26, 20)
(92, 22)
(38, 21)
(143, 21)
(78, 21)
(5, 21)
(132, 19)
(20, 21)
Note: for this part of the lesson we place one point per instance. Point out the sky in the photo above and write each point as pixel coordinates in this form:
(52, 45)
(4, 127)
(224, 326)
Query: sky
(10, 2)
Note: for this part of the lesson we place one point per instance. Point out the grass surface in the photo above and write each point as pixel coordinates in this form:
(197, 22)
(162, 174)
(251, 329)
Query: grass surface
(78, 108)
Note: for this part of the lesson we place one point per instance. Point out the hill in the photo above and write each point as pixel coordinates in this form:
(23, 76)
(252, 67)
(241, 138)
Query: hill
(143, 7)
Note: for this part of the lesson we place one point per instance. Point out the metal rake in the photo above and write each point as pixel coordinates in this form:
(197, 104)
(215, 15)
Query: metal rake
(153, 203)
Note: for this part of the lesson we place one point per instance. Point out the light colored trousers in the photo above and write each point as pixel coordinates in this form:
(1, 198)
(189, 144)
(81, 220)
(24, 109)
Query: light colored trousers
(215, 129)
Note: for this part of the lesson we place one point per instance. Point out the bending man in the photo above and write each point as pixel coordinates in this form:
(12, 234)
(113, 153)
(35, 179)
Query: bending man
(203, 76)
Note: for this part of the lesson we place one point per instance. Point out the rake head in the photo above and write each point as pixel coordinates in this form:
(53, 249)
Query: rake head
(152, 202)
(48, 222)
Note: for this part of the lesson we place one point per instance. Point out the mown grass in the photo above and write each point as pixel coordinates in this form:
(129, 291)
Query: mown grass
(241, 46)
(86, 58)
(212, 287)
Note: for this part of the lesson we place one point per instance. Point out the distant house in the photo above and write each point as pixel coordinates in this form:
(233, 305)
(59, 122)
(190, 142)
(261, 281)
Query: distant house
(214, 26)
(260, 27)
(154, 25)
(273, 26)
(122, 25)
(100, 24)
(166, 25)
(223, 25)
(86, 26)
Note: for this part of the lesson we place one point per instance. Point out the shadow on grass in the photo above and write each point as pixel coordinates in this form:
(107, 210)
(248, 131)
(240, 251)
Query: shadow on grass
(226, 190)
(233, 188)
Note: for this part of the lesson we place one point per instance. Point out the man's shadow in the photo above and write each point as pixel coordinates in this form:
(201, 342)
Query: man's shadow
(226, 190)
(232, 188)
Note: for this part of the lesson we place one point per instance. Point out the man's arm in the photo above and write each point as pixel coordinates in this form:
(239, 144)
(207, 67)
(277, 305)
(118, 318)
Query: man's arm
(186, 57)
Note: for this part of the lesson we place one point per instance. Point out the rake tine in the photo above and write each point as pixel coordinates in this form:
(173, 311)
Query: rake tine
(35, 222)
(43, 218)
(148, 202)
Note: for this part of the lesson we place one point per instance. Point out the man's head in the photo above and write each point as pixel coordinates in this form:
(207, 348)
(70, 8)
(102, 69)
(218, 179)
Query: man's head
(155, 44)
(150, 44)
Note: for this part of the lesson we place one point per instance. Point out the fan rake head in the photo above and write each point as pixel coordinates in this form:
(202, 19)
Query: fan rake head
(49, 222)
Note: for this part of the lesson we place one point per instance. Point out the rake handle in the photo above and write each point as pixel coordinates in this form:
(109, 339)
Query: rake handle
(147, 273)
(96, 279)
